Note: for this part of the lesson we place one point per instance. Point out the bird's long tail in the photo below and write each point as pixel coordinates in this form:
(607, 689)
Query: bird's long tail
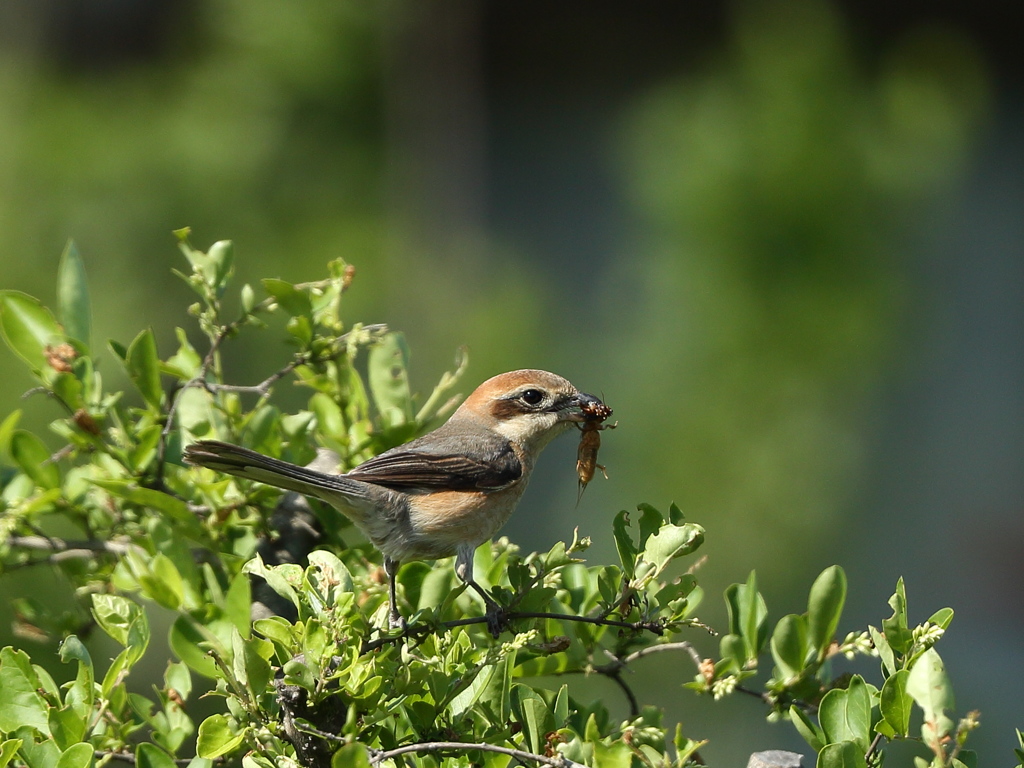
(250, 465)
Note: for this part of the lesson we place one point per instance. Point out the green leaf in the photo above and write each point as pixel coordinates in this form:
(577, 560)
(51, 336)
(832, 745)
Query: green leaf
(67, 726)
(8, 750)
(616, 755)
(7, 427)
(114, 676)
(941, 618)
(675, 514)
(810, 732)
(328, 574)
(178, 678)
(82, 693)
(895, 627)
(845, 754)
(387, 371)
(221, 256)
(186, 640)
(789, 645)
(532, 713)
(20, 704)
(491, 689)
(733, 649)
(28, 328)
(216, 737)
(186, 362)
(748, 616)
(115, 615)
(437, 587)
(885, 652)
(36, 754)
(73, 295)
(174, 507)
(824, 607)
(276, 578)
(351, 756)
(845, 715)
(929, 686)
(33, 457)
(624, 543)
(649, 523)
(250, 661)
(895, 703)
(301, 327)
(670, 542)
(77, 756)
(163, 583)
(144, 367)
(238, 604)
(151, 756)
(329, 420)
(561, 708)
(288, 297)
(609, 583)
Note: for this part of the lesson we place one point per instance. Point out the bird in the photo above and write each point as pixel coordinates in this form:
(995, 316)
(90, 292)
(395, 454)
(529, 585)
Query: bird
(441, 494)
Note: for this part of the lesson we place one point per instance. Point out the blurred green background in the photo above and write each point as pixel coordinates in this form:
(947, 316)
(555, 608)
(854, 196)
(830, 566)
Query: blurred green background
(782, 239)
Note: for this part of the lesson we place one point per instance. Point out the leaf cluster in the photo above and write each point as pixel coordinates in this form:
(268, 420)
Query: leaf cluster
(105, 501)
(843, 718)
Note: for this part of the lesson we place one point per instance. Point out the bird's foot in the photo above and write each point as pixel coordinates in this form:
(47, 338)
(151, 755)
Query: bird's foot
(497, 619)
(396, 621)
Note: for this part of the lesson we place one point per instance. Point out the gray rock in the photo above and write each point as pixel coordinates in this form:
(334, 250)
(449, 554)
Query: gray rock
(776, 758)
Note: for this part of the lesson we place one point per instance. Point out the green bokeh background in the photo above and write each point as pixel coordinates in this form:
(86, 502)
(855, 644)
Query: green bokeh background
(782, 239)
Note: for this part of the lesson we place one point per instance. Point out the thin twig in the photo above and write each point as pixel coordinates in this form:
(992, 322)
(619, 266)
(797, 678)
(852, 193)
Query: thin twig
(442, 746)
(70, 549)
(872, 748)
(756, 694)
(651, 626)
(634, 705)
(414, 631)
(614, 669)
(681, 646)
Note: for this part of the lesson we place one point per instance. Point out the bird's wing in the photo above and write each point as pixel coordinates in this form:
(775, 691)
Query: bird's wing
(403, 469)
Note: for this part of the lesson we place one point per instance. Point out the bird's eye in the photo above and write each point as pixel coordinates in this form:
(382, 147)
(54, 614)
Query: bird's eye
(532, 396)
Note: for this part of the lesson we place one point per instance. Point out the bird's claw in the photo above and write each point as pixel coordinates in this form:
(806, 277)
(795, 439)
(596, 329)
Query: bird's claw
(497, 620)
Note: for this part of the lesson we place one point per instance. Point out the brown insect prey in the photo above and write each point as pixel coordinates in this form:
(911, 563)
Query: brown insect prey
(590, 443)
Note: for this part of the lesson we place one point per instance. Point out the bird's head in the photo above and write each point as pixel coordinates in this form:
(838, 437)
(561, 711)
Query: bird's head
(529, 407)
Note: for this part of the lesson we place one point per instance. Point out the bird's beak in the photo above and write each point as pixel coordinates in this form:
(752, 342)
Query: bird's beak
(583, 407)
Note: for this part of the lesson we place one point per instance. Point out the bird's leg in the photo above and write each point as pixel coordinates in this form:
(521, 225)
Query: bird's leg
(464, 570)
(395, 620)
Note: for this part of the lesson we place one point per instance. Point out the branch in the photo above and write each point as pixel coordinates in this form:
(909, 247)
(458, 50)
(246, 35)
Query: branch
(634, 704)
(415, 631)
(262, 388)
(129, 757)
(441, 746)
(656, 627)
(763, 696)
(651, 649)
(614, 669)
(69, 550)
(871, 749)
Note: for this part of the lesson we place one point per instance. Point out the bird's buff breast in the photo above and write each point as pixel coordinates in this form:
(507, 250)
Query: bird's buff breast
(441, 522)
